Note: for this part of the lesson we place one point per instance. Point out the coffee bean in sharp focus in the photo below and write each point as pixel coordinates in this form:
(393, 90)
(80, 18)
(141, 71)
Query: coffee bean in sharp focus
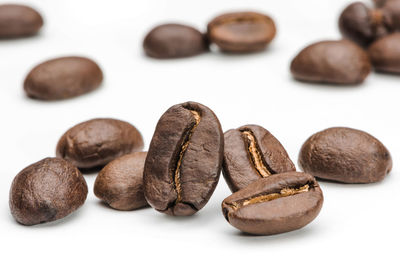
(174, 41)
(363, 24)
(120, 182)
(19, 21)
(184, 160)
(63, 78)
(47, 191)
(385, 54)
(282, 203)
(252, 153)
(96, 142)
(345, 155)
(242, 32)
(334, 62)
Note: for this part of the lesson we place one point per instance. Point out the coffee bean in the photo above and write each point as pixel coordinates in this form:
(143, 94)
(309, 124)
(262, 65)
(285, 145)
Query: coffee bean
(345, 155)
(184, 160)
(251, 153)
(120, 182)
(385, 53)
(19, 21)
(282, 203)
(379, 3)
(63, 78)
(96, 142)
(47, 191)
(174, 41)
(392, 9)
(364, 25)
(242, 31)
(335, 62)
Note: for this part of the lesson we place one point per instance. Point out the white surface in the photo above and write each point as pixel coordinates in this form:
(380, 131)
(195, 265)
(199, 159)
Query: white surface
(358, 224)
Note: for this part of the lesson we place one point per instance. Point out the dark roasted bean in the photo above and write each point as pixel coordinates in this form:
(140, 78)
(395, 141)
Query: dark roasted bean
(335, 62)
(345, 155)
(184, 160)
(19, 21)
(96, 142)
(251, 153)
(174, 41)
(242, 31)
(120, 182)
(47, 191)
(63, 78)
(282, 203)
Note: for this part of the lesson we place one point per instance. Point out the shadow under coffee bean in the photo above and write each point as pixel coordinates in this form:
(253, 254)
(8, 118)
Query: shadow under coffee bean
(184, 160)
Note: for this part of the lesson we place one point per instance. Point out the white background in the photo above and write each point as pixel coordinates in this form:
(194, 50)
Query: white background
(358, 225)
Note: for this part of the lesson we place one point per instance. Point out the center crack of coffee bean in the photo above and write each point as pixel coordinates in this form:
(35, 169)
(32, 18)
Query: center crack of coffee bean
(255, 154)
(285, 192)
(184, 146)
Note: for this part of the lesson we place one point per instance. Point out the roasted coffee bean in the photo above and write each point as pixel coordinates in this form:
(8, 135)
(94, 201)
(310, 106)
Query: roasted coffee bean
(96, 142)
(385, 53)
(379, 3)
(120, 182)
(19, 21)
(184, 160)
(335, 62)
(345, 155)
(242, 31)
(174, 41)
(392, 9)
(63, 78)
(251, 153)
(364, 25)
(47, 191)
(282, 203)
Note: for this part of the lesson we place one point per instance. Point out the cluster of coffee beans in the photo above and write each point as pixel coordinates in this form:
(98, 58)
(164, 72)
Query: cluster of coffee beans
(181, 169)
(239, 32)
(346, 61)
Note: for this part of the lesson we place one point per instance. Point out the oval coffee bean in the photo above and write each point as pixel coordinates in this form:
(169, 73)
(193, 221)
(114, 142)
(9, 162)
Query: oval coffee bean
(335, 62)
(184, 160)
(251, 153)
(96, 142)
(174, 41)
(120, 182)
(392, 9)
(242, 31)
(282, 203)
(385, 53)
(47, 191)
(63, 78)
(364, 25)
(19, 21)
(345, 155)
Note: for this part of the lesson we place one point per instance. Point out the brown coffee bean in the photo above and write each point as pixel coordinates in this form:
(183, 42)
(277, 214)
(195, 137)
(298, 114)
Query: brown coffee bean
(345, 155)
(174, 41)
(184, 160)
(251, 153)
(63, 78)
(120, 182)
(385, 53)
(19, 21)
(47, 191)
(364, 25)
(335, 62)
(96, 142)
(282, 203)
(242, 31)
(392, 9)
(379, 3)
